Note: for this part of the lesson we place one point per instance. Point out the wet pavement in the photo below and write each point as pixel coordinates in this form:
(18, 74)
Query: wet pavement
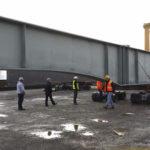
(87, 126)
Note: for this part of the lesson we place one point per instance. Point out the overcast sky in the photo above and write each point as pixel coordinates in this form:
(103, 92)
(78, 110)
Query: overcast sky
(116, 21)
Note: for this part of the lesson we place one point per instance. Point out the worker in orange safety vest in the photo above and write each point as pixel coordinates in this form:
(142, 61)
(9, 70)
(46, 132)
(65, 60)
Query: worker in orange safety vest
(99, 87)
(109, 89)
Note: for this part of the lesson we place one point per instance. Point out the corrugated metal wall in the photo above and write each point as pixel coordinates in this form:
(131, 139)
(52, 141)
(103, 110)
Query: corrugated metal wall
(25, 46)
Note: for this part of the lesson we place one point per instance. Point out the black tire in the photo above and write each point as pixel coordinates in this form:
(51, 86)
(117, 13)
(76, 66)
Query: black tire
(139, 98)
(97, 97)
(114, 98)
(142, 93)
(94, 96)
(122, 95)
(117, 95)
(133, 98)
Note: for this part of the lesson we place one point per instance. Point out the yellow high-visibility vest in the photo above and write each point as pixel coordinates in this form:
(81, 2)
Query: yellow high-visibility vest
(73, 85)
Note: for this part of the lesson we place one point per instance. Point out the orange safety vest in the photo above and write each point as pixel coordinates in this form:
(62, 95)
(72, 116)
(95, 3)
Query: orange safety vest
(109, 87)
(99, 85)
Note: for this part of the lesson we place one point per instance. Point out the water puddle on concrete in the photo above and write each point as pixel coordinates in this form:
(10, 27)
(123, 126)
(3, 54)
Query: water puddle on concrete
(38, 99)
(3, 127)
(39, 115)
(60, 97)
(73, 127)
(128, 114)
(130, 148)
(48, 134)
(100, 120)
(54, 97)
(39, 125)
(87, 133)
(3, 115)
(1, 104)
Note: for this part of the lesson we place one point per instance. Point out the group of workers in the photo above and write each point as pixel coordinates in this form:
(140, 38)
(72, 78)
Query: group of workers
(108, 87)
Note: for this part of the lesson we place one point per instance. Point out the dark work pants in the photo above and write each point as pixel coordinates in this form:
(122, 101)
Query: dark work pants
(51, 98)
(20, 100)
(75, 96)
(100, 92)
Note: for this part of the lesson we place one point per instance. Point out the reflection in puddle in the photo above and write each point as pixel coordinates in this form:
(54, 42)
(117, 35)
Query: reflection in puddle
(76, 127)
(48, 134)
(87, 133)
(3, 115)
(130, 148)
(100, 120)
(73, 127)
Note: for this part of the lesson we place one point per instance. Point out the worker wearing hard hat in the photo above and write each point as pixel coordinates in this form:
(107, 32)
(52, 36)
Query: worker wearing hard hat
(99, 87)
(75, 86)
(20, 92)
(108, 87)
(48, 92)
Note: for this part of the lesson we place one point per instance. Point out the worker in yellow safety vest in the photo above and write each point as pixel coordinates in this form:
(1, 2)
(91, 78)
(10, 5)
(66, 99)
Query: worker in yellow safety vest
(99, 87)
(75, 86)
(109, 89)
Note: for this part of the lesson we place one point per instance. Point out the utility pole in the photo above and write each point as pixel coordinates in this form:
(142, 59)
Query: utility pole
(147, 36)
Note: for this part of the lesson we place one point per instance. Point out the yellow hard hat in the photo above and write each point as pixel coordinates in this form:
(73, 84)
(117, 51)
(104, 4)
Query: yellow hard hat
(107, 76)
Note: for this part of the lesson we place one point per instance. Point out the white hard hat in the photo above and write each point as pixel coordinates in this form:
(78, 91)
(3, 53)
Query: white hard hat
(48, 79)
(75, 77)
(21, 79)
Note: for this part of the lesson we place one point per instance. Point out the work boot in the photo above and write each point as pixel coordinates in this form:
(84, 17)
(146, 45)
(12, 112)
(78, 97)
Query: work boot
(105, 107)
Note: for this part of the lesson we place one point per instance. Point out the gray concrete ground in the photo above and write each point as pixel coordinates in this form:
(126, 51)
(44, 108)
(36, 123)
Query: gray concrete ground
(41, 128)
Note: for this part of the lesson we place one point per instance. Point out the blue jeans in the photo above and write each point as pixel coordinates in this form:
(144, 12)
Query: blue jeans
(109, 99)
(75, 96)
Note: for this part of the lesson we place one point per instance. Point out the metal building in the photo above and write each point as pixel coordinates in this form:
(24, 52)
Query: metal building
(30, 47)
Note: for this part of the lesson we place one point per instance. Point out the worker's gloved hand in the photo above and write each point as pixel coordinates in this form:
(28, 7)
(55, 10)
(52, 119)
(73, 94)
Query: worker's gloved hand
(105, 93)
